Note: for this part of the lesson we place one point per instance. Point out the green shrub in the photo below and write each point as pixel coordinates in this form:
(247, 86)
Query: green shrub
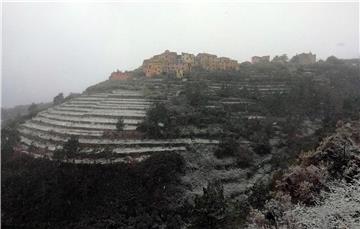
(157, 123)
(228, 147)
(195, 93)
(262, 148)
(59, 154)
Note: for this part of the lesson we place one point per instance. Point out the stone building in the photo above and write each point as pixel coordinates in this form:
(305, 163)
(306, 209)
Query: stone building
(260, 59)
(188, 58)
(206, 61)
(187, 61)
(160, 64)
(304, 59)
(119, 75)
(227, 64)
(212, 62)
(280, 59)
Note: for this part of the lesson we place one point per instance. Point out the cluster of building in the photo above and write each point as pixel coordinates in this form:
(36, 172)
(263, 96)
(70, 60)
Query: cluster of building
(172, 63)
(299, 59)
(119, 75)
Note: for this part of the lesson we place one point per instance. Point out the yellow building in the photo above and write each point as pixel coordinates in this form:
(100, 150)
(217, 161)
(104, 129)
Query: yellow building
(171, 63)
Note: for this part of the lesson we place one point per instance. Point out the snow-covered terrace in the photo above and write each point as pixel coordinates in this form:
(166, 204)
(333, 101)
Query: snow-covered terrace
(91, 110)
(46, 135)
(88, 116)
(90, 120)
(100, 113)
(90, 126)
(107, 106)
(61, 130)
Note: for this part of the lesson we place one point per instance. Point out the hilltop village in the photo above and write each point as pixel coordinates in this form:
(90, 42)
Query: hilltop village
(187, 141)
(170, 63)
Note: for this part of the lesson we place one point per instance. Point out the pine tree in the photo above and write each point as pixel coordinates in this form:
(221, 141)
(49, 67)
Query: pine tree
(120, 124)
(71, 147)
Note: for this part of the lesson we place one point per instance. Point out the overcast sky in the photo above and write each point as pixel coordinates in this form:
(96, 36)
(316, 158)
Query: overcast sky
(49, 48)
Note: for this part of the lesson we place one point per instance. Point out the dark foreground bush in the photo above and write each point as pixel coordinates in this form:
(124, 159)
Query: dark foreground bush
(38, 193)
(210, 208)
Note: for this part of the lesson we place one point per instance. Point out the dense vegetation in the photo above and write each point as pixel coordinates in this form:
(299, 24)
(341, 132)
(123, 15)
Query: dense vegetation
(37, 193)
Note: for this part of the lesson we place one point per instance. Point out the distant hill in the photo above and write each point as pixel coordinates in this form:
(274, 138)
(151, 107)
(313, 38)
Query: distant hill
(8, 114)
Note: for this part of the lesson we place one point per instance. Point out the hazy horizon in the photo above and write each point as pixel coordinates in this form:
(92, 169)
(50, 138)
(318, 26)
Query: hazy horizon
(65, 47)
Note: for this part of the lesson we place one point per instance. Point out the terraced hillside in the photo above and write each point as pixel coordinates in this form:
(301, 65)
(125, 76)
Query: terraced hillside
(262, 84)
(93, 118)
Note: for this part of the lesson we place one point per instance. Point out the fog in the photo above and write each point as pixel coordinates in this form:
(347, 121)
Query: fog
(49, 48)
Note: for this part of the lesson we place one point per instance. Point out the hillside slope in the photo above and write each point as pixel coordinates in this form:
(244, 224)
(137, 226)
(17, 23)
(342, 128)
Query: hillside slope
(321, 190)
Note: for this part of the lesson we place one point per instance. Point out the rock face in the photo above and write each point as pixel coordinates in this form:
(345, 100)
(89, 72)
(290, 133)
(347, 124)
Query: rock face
(172, 63)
